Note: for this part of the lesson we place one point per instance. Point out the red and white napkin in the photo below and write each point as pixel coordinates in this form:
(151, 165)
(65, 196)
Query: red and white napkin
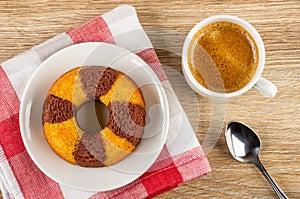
(181, 159)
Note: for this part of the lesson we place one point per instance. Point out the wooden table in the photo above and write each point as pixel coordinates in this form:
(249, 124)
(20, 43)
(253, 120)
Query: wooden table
(24, 24)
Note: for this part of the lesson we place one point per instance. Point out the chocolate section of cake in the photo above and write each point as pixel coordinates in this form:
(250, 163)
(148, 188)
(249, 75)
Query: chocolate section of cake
(97, 80)
(56, 110)
(90, 152)
(127, 120)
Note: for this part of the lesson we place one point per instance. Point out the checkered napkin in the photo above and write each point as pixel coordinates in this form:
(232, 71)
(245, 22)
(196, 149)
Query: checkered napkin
(181, 159)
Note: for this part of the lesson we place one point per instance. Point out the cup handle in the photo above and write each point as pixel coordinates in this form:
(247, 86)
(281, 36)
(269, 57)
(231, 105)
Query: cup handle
(265, 88)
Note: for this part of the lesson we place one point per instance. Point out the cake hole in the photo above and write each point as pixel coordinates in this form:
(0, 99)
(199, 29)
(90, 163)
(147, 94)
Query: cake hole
(92, 116)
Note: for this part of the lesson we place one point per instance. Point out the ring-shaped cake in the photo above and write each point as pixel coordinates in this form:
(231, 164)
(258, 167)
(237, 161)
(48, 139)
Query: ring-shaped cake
(117, 139)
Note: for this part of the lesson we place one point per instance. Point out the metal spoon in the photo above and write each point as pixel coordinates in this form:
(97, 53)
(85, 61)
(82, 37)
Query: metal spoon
(244, 145)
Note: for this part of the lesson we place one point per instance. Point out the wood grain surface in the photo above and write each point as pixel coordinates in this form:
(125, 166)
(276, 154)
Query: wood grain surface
(24, 24)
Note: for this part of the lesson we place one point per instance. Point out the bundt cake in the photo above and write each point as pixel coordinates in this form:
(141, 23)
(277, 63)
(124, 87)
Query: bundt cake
(125, 127)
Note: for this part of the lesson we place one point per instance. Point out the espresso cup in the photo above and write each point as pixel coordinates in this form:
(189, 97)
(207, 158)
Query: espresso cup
(261, 85)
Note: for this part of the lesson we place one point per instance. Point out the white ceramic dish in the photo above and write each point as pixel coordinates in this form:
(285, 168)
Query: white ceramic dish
(94, 179)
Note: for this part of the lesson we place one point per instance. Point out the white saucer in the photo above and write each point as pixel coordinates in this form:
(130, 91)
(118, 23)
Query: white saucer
(94, 179)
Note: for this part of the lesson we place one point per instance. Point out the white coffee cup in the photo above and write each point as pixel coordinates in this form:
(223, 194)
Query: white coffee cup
(261, 85)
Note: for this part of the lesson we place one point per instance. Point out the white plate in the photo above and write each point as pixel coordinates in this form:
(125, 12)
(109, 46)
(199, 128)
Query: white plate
(94, 179)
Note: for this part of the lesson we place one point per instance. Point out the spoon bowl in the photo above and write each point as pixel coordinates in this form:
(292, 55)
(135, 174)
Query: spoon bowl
(242, 141)
(244, 145)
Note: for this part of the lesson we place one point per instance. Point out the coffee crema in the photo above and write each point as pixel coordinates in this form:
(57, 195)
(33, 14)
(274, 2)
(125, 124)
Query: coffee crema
(223, 57)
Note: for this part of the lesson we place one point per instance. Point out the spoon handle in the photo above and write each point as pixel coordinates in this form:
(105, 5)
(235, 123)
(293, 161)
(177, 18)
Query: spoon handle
(275, 187)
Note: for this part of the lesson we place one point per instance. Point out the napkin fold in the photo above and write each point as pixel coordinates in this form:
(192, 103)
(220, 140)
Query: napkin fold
(181, 159)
